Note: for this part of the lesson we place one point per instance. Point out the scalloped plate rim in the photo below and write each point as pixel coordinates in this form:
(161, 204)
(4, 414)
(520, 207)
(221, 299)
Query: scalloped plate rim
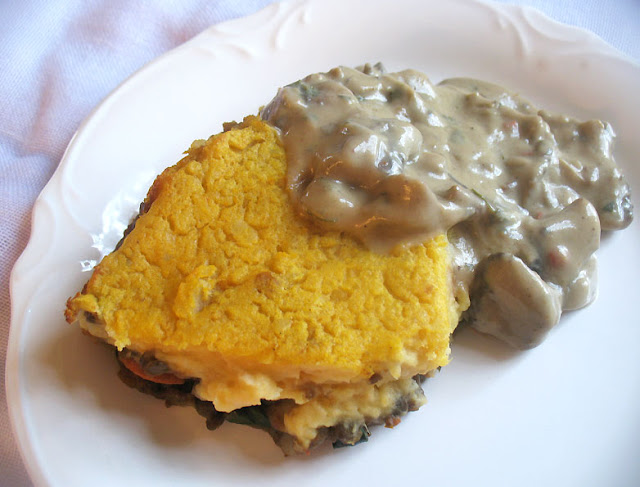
(19, 299)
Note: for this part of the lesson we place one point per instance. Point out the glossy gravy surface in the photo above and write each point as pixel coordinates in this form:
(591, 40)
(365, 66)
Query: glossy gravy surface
(392, 159)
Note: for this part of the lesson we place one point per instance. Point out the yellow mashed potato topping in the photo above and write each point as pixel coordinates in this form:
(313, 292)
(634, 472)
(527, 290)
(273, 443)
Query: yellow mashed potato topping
(223, 282)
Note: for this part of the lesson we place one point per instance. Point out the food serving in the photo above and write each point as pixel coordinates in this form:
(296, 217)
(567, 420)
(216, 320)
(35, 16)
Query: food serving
(302, 273)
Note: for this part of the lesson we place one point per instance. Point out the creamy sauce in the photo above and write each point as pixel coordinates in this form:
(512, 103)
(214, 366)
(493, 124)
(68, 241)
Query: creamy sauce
(392, 159)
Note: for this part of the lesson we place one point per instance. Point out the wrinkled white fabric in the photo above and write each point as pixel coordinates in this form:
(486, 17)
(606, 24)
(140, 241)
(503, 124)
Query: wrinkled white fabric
(60, 58)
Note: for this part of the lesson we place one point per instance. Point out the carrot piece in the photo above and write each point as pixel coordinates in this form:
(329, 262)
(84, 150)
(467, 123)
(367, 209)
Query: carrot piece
(135, 367)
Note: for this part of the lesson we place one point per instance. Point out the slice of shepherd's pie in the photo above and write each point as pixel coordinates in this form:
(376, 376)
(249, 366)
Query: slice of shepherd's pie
(220, 297)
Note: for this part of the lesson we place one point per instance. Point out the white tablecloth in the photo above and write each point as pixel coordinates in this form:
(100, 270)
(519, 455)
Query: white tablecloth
(59, 58)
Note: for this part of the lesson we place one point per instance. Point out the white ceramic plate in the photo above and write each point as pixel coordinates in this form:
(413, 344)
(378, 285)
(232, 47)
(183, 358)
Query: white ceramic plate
(565, 413)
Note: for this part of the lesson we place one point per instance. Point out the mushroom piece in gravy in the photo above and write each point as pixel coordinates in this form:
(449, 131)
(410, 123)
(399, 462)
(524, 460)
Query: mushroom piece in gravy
(523, 194)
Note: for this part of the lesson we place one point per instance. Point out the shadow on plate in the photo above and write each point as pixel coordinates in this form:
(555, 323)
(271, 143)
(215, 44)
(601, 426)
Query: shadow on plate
(486, 347)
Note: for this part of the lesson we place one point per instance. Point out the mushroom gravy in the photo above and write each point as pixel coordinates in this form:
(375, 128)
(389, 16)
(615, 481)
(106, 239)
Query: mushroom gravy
(523, 194)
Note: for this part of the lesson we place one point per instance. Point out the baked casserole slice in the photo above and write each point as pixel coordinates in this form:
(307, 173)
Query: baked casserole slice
(222, 297)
